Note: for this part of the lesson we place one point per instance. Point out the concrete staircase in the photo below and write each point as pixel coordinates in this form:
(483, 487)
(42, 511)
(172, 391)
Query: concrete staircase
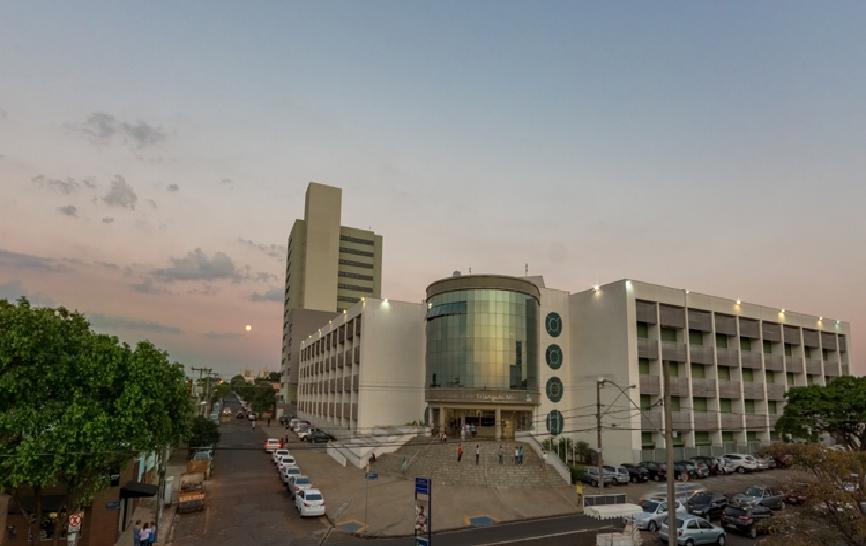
(430, 458)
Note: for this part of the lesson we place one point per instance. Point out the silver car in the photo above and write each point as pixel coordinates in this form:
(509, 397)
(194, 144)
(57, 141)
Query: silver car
(620, 474)
(653, 512)
(694, 530)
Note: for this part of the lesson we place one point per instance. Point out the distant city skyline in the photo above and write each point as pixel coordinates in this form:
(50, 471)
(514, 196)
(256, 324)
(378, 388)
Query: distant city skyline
(153, 157)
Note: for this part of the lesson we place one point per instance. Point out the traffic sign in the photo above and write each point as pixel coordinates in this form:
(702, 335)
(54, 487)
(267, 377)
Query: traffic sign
(422, 486)
(74, 523)
(372, 475)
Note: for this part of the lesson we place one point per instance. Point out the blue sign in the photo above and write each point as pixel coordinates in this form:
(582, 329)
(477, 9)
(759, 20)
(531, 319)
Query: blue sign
(372, 475)
(112, 505)
(422, 486)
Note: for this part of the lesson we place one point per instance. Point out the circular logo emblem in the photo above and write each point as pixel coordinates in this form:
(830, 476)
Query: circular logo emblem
(554, 389)
(553, 355)
(554, 422)
(553, 323)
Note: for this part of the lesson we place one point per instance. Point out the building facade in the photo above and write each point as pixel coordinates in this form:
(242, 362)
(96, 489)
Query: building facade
(364, 368)
(329, 267)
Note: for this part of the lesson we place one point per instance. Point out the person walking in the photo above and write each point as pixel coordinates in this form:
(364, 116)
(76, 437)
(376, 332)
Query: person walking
(269, 421)
(153, 532)
(477, 453)
(144, 535)
(516, 453)
(459, 451)
(136, 531)
(254, 424)
(519, 454)
(500, 453)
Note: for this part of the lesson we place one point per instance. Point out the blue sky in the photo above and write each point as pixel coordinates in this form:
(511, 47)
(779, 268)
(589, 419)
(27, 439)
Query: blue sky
(593, 141)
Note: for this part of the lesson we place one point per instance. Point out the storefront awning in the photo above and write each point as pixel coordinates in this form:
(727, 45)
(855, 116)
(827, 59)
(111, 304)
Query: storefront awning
(134, 490)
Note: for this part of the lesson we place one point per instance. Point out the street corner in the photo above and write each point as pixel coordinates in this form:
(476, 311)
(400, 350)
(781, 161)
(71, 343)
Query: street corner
(479, 520)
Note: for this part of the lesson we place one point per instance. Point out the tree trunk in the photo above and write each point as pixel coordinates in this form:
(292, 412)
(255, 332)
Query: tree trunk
(37, 526)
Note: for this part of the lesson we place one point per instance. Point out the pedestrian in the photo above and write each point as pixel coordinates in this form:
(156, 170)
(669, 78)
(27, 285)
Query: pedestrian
(459, 451)
(516, 453)
(153, 532)
(269, 421)
(500, 453)
(477, 453)
(254, 424)
(462, 433)
(519, 454)
(136, 531)
(444, 437)
(144, 535)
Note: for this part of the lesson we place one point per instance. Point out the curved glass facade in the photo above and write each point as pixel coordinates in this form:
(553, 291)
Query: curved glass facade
(482, 338)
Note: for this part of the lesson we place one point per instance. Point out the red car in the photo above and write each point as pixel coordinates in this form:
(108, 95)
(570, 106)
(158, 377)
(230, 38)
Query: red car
(796, 495)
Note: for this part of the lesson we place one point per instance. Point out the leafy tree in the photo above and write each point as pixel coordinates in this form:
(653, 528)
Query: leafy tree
(275, 377)
(238, 382)
(220, 391)
(838, 409)
(78, 405)
(204, 433)
(835, 511)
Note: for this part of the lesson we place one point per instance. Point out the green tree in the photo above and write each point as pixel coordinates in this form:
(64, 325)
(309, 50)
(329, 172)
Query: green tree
(220, 391)
(838, 409)
(204, 433)
(77, 405)
(275, 377)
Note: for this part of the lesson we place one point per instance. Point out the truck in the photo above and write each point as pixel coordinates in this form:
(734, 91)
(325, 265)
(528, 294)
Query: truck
(192, 494)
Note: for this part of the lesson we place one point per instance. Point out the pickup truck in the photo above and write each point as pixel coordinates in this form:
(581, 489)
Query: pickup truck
(192, 494)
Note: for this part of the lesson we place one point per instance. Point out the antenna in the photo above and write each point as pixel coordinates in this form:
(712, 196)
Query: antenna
(525, 270)
(470, 270)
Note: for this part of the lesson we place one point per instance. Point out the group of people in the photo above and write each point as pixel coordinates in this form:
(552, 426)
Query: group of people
(518, 452)
(143, 536)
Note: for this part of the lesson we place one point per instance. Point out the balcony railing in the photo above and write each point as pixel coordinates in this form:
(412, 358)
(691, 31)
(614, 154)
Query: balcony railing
(751, 360)
(652, 420)
(774, 362)
(673, 351)
(753, 390)
(831, 369)
(774, 418)
(703, 387)
(682, 419)
(649, 384)
(756, 421)
(701, 354)
(794, 364)
(728, 357)
(732, 421)
(814, 366)
(729, 389)
(706, 421)
(647, 348)
(680, 386)
(775, 391)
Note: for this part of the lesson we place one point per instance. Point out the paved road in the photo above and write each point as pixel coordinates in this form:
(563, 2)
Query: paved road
(247, 503)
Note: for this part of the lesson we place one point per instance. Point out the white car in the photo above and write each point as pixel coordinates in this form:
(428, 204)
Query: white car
(278, 453)
(310, 502)
(271, 444)
(288, 472)
(653, 513)
(740, 462)
(298, 482)
(284, 461)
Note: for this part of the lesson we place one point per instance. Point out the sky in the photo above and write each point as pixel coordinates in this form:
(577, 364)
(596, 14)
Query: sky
(153, 156)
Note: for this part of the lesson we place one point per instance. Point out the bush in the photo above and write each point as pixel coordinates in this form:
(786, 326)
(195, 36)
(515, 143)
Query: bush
(204, 433)
(577, 473)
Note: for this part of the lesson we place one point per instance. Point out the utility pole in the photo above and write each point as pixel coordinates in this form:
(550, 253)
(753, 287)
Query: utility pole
(201, 372)
(669, 447)
(598, 385)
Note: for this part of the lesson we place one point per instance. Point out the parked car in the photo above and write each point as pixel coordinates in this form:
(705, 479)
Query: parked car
(241, 414)
(310, 502)
(301, 424)
(590, 476)
(278, 453)
(319, 436)
(272, 444)
(637, 473)
(740, 462)
(693, 530)
(305, 433)
(652, 514)
(714, 464)
(284, 461)
(797, 494)
(288, 472)
(620, 474)
(707, 504)
(298, 482)
(657, 471)
(762, 495)
(682, 492)
(685, 468)
(749, 520)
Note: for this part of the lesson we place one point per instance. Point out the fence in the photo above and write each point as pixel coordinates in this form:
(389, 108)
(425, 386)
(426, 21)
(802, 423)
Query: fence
(604, 500)
(550, 458)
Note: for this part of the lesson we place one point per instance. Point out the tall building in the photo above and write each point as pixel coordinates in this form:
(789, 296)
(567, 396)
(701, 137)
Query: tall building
(507, 355)
(329, 267)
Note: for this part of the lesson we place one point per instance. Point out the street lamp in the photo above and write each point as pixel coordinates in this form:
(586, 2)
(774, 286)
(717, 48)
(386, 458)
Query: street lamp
(599, 383)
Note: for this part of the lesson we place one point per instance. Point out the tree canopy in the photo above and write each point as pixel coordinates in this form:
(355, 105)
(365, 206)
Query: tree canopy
(838, 410)
(77, 405)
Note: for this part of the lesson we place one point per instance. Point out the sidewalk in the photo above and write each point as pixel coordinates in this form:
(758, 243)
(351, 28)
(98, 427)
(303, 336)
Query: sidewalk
(389, 501)
(146, 511)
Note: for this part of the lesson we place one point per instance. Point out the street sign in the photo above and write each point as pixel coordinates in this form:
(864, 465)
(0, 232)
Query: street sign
(74, 523)
(372, 475)
(422, 486)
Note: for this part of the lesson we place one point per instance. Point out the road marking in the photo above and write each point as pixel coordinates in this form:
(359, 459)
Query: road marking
(541, 537)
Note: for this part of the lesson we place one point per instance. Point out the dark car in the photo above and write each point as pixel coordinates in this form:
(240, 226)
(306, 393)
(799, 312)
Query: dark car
(707, 504)
(657, 471)
(319, 436)
(797, 494)
(749, 520)
(241, 415)
(762, 495)
(685, 467)
(636, 472)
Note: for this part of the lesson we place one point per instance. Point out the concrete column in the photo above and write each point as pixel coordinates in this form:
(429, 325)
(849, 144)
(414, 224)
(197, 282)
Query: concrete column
(498, 424)
(442, 423)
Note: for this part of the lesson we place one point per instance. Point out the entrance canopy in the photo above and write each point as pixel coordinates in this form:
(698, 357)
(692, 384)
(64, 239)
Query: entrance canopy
(135, 490)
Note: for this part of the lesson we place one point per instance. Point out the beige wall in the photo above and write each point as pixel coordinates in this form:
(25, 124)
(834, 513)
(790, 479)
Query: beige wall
(322, 217)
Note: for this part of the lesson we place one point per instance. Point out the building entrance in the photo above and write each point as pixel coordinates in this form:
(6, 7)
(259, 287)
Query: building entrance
(481, 422)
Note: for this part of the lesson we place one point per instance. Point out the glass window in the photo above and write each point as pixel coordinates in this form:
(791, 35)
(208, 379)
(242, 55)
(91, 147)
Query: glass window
(788, 349)
(808, 351)
(768, 347)
(726, 405)
(696, 337)
(646, 439)
(699, 371)
(645, 401)
(772, 407)
(724, 373)
(748, 375)
(721, 341)
(699, 405)
(669, 334)
(642, 330)
(675, 403)
(644, 366)
(790, 378)
(771, 376)
(745, 344)
(728, 436)
(751, 435)
(702, 438)
(674, 368)
(749, 406)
